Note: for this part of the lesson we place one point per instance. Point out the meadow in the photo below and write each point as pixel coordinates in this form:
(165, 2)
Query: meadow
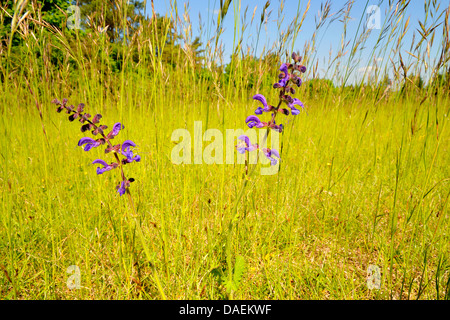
(363, 179)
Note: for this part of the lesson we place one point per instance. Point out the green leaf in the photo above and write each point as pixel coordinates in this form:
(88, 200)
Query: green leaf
(239, 269)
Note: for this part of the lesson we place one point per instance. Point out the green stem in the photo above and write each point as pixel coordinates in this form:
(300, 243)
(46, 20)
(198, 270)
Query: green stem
(235, 215)
(146, 250)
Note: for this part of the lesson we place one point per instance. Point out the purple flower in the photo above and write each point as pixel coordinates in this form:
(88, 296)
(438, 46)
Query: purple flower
(269, 153)
(127, 144)
(253, 121)
(106, 167)
(115, 131)
(124, 185)
(245, 145)
(122, 188)
(90, 143)
(263, 100)
(294, 110)
(128, 153)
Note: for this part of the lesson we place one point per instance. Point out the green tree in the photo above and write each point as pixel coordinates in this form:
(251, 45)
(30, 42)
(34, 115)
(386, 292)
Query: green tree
(50, 11)
(15, 15)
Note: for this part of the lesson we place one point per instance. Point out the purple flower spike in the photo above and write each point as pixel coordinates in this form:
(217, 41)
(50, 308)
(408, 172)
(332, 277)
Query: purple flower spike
(253, 121)
(96, 129)
(106, 167)
(269, 153)
(245, 145)
(89, 143)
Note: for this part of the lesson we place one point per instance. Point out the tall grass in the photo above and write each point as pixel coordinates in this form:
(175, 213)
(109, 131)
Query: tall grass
(364, 178)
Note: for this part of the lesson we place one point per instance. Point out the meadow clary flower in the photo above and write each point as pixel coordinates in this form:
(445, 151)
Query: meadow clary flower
(90, 143)
(115, 131)
(123, 186)
(253, 121)
(245, 145)
(121, 189)
(269, 153)
(262, 99)
(294, 110)
(106, 166)
(128, 153)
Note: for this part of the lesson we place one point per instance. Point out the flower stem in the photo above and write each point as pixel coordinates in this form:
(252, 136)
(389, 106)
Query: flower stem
(234, 216)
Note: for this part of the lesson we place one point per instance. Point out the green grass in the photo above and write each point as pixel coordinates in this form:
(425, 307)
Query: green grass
(364, 180)
(355, 188)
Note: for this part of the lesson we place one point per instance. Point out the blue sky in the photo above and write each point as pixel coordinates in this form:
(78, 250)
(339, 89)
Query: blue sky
(329, 37)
